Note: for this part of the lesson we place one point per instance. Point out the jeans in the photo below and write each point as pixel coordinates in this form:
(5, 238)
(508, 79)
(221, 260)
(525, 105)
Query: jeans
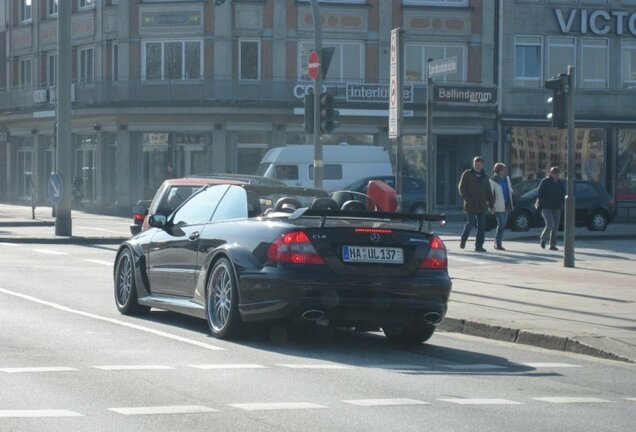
(479, 220)
(551, 218)
(502, 219)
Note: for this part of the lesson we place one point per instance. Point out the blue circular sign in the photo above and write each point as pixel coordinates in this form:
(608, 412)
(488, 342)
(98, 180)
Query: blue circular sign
(55, 188)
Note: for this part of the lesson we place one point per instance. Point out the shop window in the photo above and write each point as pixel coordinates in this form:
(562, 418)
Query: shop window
(249, 59)
(594, 63)
(528, 61)
(626, 165)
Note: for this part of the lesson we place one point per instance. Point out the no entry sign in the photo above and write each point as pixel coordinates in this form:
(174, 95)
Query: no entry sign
(313, 65)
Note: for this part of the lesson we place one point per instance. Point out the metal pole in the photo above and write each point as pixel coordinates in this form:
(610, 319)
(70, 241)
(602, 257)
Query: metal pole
(318, 162)
(399, 162)
(568, 247)
(430, 179)
(63, 222)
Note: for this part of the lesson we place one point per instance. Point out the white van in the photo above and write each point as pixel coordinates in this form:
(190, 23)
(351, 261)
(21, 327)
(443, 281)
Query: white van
(343, 164)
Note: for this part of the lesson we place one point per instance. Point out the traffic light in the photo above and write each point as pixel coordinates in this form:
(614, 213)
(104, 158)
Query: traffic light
(558, 101)
(309, 112)
(328, 114)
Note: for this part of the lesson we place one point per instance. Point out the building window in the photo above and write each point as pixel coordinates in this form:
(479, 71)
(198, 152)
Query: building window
(26, 9)
(114, 64)
(594, 63)
(346, 64)
(416, 61)
(528, 61)
(51, 69)
(51, 7)
(86, 4)
(626, 165)
(560, 54)
(250, 59)
(172, 60)
(628, 66)
(25, 68)
(86, 65)
(435, 2)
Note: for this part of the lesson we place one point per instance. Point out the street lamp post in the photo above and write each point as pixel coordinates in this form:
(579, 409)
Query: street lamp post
(318, 162)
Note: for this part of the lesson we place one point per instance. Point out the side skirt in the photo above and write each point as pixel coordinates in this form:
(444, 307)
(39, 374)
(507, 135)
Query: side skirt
(175, 304)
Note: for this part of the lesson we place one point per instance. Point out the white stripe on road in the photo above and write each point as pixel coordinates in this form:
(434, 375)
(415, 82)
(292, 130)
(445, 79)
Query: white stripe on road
(276, 406)
(176, 409)
(9, 244)
(474, 261)
(399, 367)
(228, 366)
(631, 399)
(37, 369)
(471, 366)
(112, 321)
(99, 229)
(101, 262)
(49, 252)
(385, 402)
(133, 367)
(551, 365)
(38, 413)
(315, 366)
(568, 400)
(462, 401)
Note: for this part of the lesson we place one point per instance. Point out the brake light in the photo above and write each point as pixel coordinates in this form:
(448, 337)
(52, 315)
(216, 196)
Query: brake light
(436, 258)
(138, 217)
(293, 248)
(374, 230)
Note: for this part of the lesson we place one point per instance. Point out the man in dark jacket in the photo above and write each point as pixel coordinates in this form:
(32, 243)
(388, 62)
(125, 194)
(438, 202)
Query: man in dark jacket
(474, 187)
(550, 202)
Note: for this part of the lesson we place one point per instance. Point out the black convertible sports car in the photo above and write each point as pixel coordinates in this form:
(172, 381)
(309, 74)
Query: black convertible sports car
(231, 254)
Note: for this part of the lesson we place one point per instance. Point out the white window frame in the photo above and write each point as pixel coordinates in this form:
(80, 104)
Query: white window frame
(516, 77)
(52, 7)
(305, 47)
(552, 44)
(51, 69)
(424, 67)
(163, 42)
(26, 11)
(582, 80)
(25, 74)
(240, 59)
(628, 75)
(85, 4)
(82, 65)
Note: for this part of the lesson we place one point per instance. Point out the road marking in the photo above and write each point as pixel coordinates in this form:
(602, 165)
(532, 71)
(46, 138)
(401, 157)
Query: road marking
(398, 367)
(228, 366)
(276, 406)
(551, 365)
(37, 369)
(112, 321)
(462, 401)
(384, 402)
(567, 400)
(49, 252)
(176, 409)
(471, 366)
(133, 367)
(474, 261)
(9, 244)
(39, 413)
(315, 366)
(101, 262)
(631, 399)
(99, 229)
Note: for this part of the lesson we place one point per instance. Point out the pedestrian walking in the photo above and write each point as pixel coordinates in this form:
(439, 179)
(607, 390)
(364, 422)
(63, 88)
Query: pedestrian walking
(474, 188)
(550, 202)
(502, 195)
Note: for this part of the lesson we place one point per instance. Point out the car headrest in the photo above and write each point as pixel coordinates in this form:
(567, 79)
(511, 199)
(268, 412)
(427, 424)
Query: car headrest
(287, 204)
(354, 205)
(324, 203)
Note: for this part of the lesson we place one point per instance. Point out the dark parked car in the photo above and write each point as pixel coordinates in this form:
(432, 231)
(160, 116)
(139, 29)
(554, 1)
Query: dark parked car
(594, 207)
(413, 195)
(232, 254)
(173, 192)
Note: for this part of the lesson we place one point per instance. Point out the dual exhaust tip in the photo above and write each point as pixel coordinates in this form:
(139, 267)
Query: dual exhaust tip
(314, 315)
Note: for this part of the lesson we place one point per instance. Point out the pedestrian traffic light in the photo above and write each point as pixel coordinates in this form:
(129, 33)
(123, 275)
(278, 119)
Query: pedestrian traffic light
(557, 103)
(328, 114)
(308, 102)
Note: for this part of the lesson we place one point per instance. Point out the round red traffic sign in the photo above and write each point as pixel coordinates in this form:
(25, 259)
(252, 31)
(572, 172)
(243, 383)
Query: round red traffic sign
(313, 65)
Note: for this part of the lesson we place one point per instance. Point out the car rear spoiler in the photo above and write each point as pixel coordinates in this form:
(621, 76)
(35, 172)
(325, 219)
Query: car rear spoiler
(345, 214)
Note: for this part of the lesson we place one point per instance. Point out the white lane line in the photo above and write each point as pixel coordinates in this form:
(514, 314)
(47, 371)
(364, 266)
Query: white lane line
(176, 409)
(112, 321)
(551, 365)
(568, 400)
(462, 401)
(228, 366)
(49, 252)
(399, 367)
(133, 367)
(631, 399)
(474, 261)
(315, 366)
(472, 366)
(37, 369)
(99, 229)
(38, 413)
(276, 406)
(9, 244)
(101, 262)
(385, 402)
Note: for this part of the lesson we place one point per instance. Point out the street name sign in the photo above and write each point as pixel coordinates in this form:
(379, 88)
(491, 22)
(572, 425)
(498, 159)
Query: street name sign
(442, 67)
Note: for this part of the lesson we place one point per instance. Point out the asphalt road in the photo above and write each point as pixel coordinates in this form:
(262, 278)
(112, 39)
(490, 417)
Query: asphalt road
(70, 362)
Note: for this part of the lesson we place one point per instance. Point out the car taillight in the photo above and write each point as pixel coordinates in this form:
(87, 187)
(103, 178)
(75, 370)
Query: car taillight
(138, 217)
(293, 248)
(436, 258)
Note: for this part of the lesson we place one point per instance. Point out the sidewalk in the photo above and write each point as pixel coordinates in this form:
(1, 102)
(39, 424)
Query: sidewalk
(522, 295)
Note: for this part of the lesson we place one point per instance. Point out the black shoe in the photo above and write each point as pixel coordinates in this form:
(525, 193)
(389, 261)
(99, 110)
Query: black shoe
(499, 247)
(480, 249)
(554, 248)
(542, 244)
(462, 243)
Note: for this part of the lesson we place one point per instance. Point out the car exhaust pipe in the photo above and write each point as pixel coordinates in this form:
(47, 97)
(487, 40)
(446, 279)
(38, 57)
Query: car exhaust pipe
(313, 315)
(432, 318)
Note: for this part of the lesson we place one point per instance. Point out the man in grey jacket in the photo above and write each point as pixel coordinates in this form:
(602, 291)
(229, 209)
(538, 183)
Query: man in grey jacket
(474, 188)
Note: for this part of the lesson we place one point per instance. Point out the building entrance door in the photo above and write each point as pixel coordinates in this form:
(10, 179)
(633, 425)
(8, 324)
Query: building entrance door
(85, 172)
(447, 175)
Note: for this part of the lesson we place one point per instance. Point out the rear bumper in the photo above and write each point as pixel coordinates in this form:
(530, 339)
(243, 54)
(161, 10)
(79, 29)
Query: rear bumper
(277, 293)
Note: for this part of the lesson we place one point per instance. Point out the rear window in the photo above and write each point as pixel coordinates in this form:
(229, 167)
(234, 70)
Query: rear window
(330, 172)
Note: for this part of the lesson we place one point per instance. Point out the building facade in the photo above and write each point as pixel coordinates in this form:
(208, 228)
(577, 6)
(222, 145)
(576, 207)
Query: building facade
(210, 88)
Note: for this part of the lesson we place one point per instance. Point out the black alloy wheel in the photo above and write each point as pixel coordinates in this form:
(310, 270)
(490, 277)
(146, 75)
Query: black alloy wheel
(222, 301)
(521, 221)
(125, 286)
(415, 333)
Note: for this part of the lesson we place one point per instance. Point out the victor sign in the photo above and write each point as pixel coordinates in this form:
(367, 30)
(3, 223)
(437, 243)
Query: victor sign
(599, 21)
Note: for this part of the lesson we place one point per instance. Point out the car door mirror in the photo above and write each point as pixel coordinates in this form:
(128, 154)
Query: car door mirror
(158, 221)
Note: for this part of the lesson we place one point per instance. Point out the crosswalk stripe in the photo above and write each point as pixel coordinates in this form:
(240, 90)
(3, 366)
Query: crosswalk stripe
(471, 366)
(176, 409)
(100, 262)
(566, 400)
(315, 366)
(474, 261)
(228, 366)
(276, 406)
(37, 369)
(385, 402)
(49, 252)
(38, 413)
(9, 244)
(133, 367)
(463, 401)
(551, 365)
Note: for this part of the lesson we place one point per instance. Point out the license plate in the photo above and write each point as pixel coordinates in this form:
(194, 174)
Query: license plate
(369, 254)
